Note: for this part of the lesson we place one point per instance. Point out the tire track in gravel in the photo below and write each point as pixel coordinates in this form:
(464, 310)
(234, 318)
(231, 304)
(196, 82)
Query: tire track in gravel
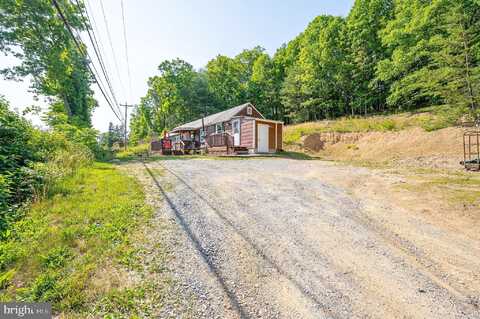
(198, 246)
(405, 249)
(373, 242)
(207, 254)
(330, 281)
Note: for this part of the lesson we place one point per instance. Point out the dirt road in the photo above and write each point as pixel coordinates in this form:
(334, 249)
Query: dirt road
(277, 238)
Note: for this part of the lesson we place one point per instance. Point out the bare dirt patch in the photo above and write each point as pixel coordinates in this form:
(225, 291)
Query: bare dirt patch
(412, 147)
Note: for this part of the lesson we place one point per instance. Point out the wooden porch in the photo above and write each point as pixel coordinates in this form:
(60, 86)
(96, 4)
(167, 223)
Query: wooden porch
(186, 142)
(222, 144)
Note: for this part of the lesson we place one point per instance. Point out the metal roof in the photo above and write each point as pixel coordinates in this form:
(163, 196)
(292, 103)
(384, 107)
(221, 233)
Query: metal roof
(219, 117)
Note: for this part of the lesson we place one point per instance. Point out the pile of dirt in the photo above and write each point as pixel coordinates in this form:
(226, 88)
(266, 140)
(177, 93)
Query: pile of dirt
(412, 147)
(317, 141)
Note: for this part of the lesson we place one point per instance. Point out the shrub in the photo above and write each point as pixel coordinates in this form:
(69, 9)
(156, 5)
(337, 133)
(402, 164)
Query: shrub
(17, 153)
(133, 151)
(56, 257)
(31, 160)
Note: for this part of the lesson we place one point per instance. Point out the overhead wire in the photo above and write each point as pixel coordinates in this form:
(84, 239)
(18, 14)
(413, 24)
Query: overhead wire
(97, 50)
(85, 54)
(109, 37)
(126, 46)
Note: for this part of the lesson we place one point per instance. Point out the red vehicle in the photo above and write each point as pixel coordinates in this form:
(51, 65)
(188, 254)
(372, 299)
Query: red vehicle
(164, 145)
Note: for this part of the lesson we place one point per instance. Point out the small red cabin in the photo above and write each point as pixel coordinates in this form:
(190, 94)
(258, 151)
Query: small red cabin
(241, 129)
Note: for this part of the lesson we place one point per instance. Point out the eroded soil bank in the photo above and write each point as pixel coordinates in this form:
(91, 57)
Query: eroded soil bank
(414, 147)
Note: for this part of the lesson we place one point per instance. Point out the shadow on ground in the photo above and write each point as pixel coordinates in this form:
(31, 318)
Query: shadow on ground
(154, 158)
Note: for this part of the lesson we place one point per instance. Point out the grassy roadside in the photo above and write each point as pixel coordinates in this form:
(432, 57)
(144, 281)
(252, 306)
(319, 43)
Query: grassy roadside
(76, 248)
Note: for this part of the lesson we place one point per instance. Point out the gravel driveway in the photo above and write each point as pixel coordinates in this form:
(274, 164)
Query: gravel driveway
(277, 238)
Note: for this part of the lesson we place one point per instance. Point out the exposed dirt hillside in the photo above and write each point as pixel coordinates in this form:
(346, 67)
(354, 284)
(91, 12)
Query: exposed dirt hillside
(412, 147)
(380, 140)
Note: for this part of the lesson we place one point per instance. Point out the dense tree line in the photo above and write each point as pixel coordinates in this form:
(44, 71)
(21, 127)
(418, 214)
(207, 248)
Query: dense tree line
(33, 32)
(33, 160)
(113, 139)
(386, 55)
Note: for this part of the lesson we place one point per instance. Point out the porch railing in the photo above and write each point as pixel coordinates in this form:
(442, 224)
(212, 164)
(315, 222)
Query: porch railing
(219, 139)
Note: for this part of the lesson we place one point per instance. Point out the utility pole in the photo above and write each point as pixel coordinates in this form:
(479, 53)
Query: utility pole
(126, 105)
(205, 114)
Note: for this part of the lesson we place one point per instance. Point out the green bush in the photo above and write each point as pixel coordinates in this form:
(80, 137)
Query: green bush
(133, 151)
(31, 160)
(17, 153)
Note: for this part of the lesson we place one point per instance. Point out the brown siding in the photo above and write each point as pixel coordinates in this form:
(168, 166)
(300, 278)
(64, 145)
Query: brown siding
(254, 113)
(279, 137)
(246, 133)
(210, 129)
(271, 136)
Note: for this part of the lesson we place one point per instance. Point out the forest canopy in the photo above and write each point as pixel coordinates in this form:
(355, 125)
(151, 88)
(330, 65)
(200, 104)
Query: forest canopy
(384, 56)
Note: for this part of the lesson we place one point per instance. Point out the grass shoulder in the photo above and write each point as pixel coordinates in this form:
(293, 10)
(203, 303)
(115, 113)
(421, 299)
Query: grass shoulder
(75, 248)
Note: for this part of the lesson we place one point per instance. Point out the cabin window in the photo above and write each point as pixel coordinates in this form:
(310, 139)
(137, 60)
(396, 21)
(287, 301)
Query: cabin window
(236, 126)
(186, 136)
(249, 110)
(219, 128)
(202, 135)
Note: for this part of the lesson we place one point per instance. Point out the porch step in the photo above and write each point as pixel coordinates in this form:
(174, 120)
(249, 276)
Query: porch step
(240, 150)
(217, 150)
(222, 150)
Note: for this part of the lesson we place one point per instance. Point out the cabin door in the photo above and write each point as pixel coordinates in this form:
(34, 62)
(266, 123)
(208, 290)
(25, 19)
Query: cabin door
(236, 132)
(263, 138)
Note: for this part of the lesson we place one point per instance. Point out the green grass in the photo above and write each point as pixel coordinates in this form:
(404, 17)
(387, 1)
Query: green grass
(56, 251)
(456, 187)
(133, 152)
(429, 119)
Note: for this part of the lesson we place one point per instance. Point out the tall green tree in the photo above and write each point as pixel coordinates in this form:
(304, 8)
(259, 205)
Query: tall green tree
(32, 32)
(177, 95)
(226, 80)
(230, 79)
(266, 82)
(364, 22)
(316, 84)
(434, 59)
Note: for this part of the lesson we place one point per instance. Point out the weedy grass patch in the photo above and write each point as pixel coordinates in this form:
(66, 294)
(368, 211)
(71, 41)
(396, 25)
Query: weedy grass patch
(55, 251)
(133, 152)
(429, 119)
(458, 188)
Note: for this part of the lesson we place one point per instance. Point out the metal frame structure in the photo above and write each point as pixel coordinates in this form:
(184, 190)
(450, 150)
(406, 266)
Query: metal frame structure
(471, 148)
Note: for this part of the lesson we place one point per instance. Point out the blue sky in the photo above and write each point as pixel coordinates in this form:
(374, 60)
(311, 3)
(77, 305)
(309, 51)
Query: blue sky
(195, 31)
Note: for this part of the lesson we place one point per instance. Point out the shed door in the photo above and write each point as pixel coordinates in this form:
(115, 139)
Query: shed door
(236, 132)
(263, 138)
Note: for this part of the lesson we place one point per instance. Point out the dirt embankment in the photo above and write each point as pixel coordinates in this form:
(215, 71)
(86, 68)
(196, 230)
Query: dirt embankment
(411, 147)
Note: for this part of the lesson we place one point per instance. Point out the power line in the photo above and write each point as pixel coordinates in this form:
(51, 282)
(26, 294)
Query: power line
(110, 43)
(98, 53)
(70, 31)
(126, 46)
